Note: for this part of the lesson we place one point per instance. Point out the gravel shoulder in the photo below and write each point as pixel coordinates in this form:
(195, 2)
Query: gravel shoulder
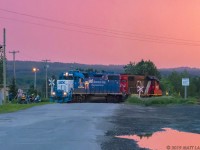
(91, 125)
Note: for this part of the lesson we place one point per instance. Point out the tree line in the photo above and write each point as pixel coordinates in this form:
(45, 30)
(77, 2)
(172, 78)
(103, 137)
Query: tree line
(172, 84)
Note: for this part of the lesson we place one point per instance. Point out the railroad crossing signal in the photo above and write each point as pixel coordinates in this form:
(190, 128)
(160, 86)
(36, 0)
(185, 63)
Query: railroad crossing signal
(140, 90)
(51, 82)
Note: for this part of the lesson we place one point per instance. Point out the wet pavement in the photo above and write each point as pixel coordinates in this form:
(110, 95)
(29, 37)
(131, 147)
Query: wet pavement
(56, 127)
(106, 126)
(158, 128)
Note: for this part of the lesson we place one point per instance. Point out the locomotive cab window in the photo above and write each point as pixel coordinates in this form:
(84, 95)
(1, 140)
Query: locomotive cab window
(113, 77)
(98, 75)
(66, 78)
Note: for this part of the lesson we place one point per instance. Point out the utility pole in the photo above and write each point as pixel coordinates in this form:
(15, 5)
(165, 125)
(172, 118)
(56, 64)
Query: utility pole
(1, 59)
(4, 65)
(46, 67)
(14, 74)
(35, 70)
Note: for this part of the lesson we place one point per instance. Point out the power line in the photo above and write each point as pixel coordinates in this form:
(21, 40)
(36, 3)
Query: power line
(29, 58)
(160, 41)
(119, 32)
(122, 37)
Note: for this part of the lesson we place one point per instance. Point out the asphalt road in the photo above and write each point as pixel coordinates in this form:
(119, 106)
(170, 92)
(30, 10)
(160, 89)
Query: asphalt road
(91, 126)
(56, 127)
(141, 120)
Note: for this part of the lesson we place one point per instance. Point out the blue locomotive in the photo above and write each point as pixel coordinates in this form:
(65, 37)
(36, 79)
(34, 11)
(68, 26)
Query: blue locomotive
(78, 86)
(65, 85)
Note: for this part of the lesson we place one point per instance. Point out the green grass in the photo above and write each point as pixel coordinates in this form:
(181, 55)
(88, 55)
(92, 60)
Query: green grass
(163, 100)
(12, 107)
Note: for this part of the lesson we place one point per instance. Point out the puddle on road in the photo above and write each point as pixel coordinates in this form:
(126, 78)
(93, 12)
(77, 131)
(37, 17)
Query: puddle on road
(168, 139)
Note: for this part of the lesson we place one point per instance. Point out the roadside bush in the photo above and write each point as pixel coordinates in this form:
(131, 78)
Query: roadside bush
(135, 100)
(164, 100)
(45, 100)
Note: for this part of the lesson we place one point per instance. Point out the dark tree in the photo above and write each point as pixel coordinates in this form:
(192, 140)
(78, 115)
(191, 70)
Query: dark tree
(12, 89)
(142, 68)
(31, 90)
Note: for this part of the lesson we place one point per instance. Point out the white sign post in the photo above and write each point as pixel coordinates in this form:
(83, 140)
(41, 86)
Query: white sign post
(185, 83)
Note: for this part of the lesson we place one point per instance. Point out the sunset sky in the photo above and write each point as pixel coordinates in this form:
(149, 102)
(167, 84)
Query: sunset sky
(103, 31)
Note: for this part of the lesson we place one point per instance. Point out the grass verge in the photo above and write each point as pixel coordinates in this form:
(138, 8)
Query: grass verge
(6, 108)
(163, 100)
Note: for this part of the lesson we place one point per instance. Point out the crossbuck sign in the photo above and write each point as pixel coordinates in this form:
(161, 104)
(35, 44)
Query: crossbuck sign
(51, 83)
(140, 90)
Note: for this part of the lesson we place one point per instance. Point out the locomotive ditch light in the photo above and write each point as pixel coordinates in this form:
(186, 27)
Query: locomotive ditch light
(65, 93)
(53, 93)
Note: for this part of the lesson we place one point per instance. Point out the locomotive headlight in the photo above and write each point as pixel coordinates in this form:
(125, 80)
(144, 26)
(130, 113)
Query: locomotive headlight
(65, 93)
(53, 93)
(66, 74)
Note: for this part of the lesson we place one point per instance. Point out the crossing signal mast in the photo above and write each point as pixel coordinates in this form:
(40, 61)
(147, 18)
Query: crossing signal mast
(46, 77)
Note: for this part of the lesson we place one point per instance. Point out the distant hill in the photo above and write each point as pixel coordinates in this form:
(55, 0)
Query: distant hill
(191, 71)
(25, 76)
(55, 68)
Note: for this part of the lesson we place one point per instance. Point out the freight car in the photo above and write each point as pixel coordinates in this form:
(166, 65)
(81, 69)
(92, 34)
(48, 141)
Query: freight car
(151, 87)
